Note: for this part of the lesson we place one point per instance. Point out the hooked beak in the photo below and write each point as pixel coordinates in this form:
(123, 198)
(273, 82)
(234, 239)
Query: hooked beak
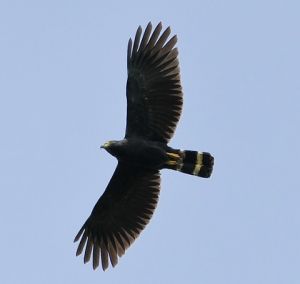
(105, 145)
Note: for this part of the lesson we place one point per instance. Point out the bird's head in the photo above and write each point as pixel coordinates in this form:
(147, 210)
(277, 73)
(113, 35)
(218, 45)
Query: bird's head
(107, 145)
(113, 147)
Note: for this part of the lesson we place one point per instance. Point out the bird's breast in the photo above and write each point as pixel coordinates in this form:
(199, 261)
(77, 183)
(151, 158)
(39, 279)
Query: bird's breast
(146, 154)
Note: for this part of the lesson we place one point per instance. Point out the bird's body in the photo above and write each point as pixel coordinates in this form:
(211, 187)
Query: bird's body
(154, 104)
(139, 152)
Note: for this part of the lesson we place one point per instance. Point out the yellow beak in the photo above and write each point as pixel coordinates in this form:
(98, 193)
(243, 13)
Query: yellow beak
(105, 145)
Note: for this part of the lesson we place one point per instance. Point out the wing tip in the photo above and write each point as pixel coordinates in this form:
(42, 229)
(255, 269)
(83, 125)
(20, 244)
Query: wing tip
(95, 266)
(129, 51)
(149, 25)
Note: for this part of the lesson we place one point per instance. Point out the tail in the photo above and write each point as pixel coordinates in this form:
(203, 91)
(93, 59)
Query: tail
(190, 162)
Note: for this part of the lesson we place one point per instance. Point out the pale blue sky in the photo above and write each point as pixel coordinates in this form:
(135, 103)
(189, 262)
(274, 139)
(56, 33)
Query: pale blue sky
(62, 94)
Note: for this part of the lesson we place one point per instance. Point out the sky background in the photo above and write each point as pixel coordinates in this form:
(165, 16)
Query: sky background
(62, 94)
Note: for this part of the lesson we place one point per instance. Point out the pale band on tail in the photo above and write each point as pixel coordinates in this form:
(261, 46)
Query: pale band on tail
(191, 162)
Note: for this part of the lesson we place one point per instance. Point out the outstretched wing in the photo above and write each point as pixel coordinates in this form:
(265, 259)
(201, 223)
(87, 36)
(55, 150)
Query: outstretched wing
(120, 215)
(154, 94)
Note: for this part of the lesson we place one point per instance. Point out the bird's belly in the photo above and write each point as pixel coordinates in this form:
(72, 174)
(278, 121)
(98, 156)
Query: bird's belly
(146, 156)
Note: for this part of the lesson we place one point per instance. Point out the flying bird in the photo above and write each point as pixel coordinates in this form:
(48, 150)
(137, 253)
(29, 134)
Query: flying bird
(154, 105)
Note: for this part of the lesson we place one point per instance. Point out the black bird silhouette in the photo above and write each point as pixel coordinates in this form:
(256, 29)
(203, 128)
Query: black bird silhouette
(154, 104)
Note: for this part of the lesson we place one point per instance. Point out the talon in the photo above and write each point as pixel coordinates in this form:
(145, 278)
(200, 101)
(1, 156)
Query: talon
(173, 155)
(171, 163)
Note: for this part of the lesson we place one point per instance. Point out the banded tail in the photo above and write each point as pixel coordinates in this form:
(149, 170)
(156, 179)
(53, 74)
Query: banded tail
(190, 162)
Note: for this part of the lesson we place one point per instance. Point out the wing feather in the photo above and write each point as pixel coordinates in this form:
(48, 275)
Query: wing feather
(153, 85)
(154, 36)
(120, 215)
(136, 41)
(146, 36)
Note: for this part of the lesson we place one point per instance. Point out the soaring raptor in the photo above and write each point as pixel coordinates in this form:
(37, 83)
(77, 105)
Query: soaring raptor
(154, 104)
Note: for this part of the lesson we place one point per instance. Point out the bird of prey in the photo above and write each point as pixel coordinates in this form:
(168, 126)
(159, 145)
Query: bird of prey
(154, 104)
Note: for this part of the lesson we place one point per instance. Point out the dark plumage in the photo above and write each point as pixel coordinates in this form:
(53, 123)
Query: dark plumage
(154, 103)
